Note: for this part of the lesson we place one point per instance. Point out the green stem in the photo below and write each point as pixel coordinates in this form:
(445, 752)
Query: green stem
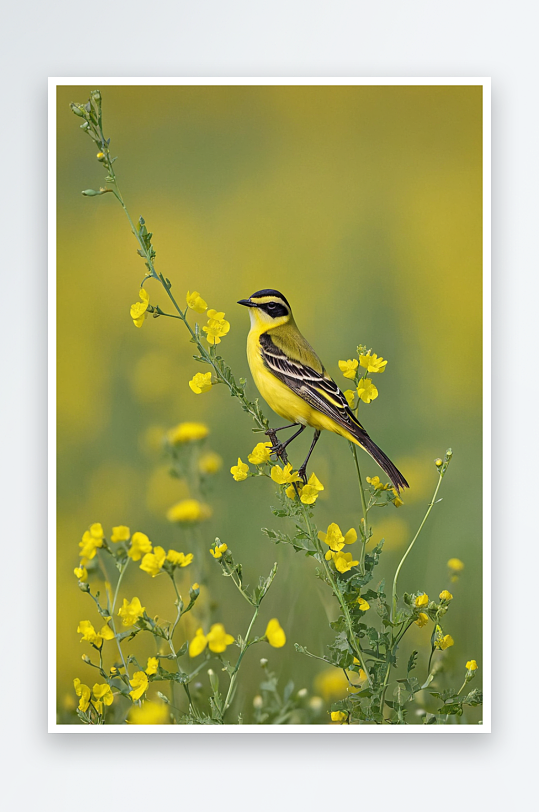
(394, 645)
(403, 559)
(234, 675)
(122, 573)
(344, 608)
(365, 534)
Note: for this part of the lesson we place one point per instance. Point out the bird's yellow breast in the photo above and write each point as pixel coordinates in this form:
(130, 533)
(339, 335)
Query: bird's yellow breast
(280, 397)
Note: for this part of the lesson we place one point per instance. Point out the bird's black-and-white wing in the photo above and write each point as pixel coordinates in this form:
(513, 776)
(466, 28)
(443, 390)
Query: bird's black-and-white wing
(315, 388)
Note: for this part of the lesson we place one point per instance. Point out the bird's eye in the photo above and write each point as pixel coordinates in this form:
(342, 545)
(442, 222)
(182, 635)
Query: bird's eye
(271, 306)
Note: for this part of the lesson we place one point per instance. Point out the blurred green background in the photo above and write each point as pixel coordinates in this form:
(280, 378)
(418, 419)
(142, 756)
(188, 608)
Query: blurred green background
(363, 205)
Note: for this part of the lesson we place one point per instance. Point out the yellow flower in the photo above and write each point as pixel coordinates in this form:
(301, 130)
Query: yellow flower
(218, 639)
(363, 604)
(260, 454)
(153, 562)
(152, 665)
(366, 390)
(90, 635)
(374, 481)
(291, 491)
(471, 665)
(343, 562)
(198, 643)
(196, 302)
(455, 564)
(216, 328)
(100, 156)
(91, 540)
(188, 511)
(445, 595)
(151, 713)
(83, 692)
(120, 533)
(284, 476)
(138, 683)
(187, 433)
(335, 539)
(81, 573)
(140, 545)
(309, 492)
(179, 559)
(350, 396)
(138, 310)
(422, 600)
(442, 641)
(422, 620)
(397, 501)
(239, 471)
(102, 691)
(210, 463)
(338, 716)
(201, 382)
(372, 363)
(331, 683)
(348, 368)
(218, 551)
(275, 634)
(131, 612)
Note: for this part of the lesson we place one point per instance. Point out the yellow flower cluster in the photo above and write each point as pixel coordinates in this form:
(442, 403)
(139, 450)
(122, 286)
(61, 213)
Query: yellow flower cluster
(138, 310)
(422, 620)
(260, 454)
(442, 641)
(187, 433)
(216, 328)
(275, 634)
(210, 463)
(218, 550)
(471, 665)
(102, 693)
(90, 635)
(130, 612)
(445, 595)
(422, 600)
(240, 471)
(139, 684)
(91, 540)
(153, 558)
(335, 540)
(308, 493)
(366, 390)
(196, 302)
(201, 382)
(152, 665)
(189, 511)
(217, 640)
(372, 363)
(339, 716)
(151, 713)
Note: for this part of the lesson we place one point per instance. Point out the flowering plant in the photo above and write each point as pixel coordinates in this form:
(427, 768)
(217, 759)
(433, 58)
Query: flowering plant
(370, 625)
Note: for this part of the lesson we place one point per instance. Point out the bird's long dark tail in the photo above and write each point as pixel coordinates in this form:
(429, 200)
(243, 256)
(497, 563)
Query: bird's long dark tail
(383, 461)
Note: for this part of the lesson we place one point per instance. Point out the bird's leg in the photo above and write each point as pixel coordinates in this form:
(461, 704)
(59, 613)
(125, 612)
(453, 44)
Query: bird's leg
(278, 448)
(302, 470)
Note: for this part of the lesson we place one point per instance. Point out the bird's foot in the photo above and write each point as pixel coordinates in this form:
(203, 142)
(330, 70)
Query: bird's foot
(303, 474)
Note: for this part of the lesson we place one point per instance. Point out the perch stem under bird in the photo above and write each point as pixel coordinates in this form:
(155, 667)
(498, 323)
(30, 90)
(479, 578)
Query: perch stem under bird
(294, 383)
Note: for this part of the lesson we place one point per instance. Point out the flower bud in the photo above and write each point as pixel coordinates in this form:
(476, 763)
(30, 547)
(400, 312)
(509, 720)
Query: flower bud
(91, 193)
(83, 586)
(263, 662)
(302, 693)
(258, 702)
(438, 462)
(163, 698)
(100, 156)
(85, 658)
(76, 109)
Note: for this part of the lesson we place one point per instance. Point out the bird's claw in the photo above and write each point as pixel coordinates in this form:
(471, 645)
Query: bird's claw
(302, 472)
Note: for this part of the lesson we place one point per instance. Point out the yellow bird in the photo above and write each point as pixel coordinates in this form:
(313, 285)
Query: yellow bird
(292, 380)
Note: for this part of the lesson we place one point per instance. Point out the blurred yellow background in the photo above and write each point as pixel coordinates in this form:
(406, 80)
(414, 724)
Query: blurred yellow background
(363, 205)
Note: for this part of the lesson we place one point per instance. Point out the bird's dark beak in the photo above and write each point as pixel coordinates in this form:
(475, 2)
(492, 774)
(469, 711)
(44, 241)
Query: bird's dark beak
(247, 303)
